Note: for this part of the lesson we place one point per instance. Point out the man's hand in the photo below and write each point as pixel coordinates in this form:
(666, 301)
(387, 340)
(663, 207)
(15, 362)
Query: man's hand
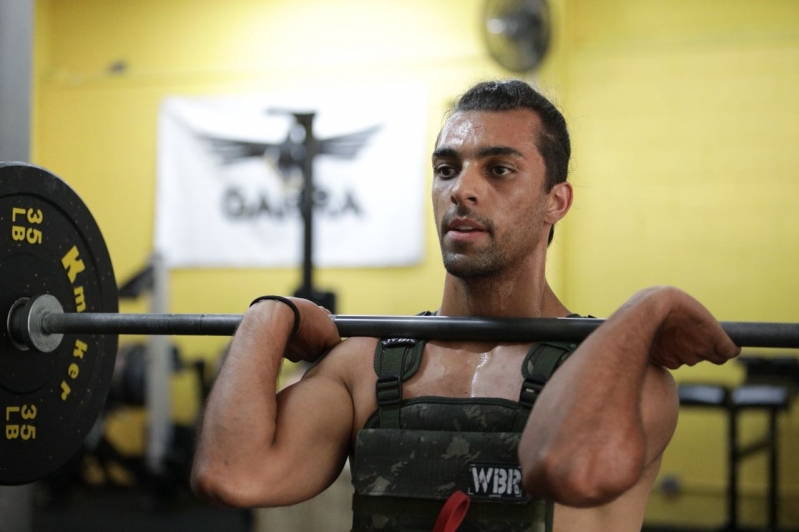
(317, 333)
(688, 333)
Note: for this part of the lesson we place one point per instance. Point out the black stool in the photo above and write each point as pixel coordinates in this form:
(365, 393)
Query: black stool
(772, 398)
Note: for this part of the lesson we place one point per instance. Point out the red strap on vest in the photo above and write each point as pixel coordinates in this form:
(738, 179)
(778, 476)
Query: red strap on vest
(452, 513)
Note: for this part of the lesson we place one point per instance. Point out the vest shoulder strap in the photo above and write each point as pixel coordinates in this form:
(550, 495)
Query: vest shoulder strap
(539, 365)
(396, 360)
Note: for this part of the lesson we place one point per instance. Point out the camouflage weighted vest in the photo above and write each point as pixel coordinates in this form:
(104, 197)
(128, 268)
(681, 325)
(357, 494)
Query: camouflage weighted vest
(411, 455)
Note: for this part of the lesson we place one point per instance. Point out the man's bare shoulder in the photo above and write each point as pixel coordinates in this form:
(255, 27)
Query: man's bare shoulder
(346, 360)
(351, 363)
(660, 406)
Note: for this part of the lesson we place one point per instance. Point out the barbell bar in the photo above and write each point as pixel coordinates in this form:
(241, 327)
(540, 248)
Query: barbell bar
(58, 295)
(49, 321)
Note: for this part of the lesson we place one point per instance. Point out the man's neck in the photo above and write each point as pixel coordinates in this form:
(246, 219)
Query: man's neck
(527, 295)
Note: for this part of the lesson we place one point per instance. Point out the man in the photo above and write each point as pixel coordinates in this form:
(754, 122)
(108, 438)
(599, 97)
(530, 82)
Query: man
(592, 444)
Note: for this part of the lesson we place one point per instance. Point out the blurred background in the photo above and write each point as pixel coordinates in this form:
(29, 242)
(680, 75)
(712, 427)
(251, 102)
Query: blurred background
(684, 117)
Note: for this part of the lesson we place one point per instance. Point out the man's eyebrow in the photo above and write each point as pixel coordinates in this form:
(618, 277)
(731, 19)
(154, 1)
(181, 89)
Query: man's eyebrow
(445, 152)
(488, 151)
(491, 151)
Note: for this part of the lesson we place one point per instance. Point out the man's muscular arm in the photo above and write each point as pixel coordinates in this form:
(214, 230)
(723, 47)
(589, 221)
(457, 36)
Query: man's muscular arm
(259, 448)
(611, 409)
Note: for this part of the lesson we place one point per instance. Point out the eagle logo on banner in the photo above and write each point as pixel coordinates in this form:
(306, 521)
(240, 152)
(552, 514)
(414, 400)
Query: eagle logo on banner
(289, 155)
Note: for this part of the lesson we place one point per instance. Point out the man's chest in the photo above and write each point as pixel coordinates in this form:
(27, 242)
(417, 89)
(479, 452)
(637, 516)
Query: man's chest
(468, 372)
(450, 370)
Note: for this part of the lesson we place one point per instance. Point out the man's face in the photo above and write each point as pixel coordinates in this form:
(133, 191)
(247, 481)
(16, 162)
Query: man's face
(488, 191)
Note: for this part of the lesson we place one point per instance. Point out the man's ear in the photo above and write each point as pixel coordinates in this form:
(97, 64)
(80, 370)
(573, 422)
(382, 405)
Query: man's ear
(559, 201)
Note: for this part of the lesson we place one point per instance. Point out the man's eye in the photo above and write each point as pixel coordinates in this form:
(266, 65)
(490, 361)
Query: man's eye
(500, 170)
(444, 171)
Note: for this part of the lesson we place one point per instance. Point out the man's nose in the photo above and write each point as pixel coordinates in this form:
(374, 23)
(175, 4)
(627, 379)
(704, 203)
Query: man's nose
(468, 186)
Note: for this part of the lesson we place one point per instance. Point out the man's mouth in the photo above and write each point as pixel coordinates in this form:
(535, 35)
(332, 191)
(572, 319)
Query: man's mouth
(464, 227)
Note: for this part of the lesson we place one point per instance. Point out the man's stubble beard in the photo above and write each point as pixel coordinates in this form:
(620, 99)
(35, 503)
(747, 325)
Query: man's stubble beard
(482, 264)
(503, 252)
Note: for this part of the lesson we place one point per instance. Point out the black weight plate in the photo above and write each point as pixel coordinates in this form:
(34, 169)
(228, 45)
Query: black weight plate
(50, 244)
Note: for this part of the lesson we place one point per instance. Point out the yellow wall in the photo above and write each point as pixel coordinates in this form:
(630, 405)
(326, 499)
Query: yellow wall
(682, 114)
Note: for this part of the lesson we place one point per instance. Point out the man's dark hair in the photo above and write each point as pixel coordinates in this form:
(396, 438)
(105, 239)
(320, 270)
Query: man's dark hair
(553, 142)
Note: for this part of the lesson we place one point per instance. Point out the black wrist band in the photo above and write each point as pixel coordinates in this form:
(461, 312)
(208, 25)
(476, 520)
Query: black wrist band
(288, 302)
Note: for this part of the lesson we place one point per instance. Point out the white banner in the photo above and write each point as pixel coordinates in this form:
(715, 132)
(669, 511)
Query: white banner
(228, 192)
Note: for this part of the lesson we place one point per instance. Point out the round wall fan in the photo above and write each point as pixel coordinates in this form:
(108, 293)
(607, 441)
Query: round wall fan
(517, 32)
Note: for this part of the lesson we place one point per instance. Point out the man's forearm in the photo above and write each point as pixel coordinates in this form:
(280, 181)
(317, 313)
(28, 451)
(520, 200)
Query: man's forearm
(585, 443)
(238, 426)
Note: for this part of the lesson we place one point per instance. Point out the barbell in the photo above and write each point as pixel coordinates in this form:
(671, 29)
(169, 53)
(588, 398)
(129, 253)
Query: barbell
(60, 303)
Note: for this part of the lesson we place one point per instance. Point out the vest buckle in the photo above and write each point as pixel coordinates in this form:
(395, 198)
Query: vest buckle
(388, 389)
(531, 388)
